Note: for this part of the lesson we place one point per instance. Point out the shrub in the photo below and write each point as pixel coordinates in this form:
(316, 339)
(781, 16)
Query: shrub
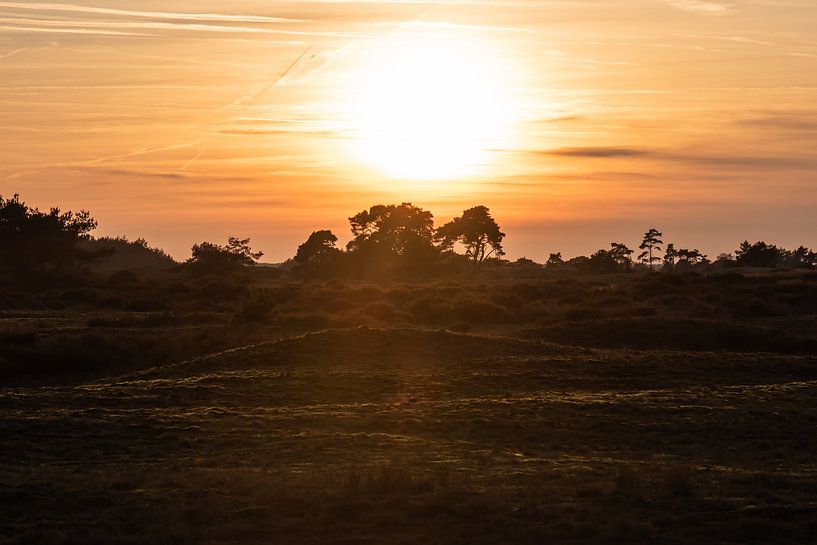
(220, 289)
(569, 300)
(122, 279)
(526, 290)
(579, 314)
(381, 311)
(507, 300)
(430, 309)
(643, 311)
(460, 327)
(477, 312)
(256, 307)
(305, 320)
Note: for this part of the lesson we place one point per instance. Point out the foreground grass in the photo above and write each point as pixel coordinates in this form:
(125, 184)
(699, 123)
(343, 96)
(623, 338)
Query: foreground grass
(410, 436)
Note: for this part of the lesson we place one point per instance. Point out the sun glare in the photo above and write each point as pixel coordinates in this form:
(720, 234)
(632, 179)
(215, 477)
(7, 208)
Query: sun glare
(427, 107)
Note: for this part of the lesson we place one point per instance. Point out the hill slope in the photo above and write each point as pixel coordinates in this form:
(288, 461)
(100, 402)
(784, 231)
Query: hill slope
(409, 436)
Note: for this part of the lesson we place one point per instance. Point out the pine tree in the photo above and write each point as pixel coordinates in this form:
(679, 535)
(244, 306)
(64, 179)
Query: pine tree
(649, 245)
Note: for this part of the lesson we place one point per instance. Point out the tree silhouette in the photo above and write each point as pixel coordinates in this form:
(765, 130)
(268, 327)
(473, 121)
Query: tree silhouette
(670, 255)
(616, 259)
(32, 241)
(803, 257)
(209, 258)
(477, 231)
(690, 257)
(555, 260)
(620, 253)
(758, 254)
(650, 244)
(392, 229)
(319, 247)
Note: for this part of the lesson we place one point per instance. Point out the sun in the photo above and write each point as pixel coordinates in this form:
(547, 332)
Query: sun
(429, 106)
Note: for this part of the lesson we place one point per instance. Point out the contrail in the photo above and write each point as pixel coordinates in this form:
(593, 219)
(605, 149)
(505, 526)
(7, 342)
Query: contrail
(15, 52)
(249, 98)
(258, 94)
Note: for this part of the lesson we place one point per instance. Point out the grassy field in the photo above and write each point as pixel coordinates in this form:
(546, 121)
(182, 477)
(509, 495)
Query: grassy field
(656, 426)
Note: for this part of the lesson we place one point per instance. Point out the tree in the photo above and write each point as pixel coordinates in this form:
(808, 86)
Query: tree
(477, 231)
(388, 231)
(670, 255)
(802, 257)
(319, 247)
(209, 258)
(650, 244)
(758, 254)
(602, 261)
(32, 241)
(725, 260)
(620, 254)
(688, 258)
(555, 260)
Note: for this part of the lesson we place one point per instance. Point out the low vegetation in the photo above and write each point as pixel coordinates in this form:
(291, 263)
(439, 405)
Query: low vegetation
(410, 388)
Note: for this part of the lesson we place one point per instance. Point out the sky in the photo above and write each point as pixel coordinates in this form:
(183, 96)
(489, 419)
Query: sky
(577, 122)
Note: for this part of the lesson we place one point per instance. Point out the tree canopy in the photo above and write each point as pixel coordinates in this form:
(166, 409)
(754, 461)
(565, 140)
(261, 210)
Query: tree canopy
(758, 254)
(32, 241)
(477, 231)
(319, 247)
(396, 229)
(210, 258)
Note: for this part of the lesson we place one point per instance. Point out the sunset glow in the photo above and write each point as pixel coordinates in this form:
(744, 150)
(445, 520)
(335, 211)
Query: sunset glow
(429, 107)
(576, 122)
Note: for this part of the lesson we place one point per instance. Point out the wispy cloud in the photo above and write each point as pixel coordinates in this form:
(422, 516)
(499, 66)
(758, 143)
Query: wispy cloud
(73, 8)
(805, 122)
(139, 25)
(710, 160)
(702, 7)
(597, 152)
(57, 30)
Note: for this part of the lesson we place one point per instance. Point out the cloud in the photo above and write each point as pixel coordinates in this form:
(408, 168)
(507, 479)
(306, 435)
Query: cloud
(72, 8)
(597, 152)
(702, 7)
(806, 122)
(12, 28)
(754, 161)
(284, 132)
(107, 26)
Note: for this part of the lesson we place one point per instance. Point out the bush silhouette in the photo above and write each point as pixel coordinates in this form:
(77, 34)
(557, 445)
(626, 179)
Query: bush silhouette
(209, 258)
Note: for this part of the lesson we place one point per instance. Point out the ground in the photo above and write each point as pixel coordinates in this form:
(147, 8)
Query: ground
(529, 433)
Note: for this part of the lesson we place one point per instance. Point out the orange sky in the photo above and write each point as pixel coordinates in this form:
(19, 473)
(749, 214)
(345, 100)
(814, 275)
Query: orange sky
(170, 120)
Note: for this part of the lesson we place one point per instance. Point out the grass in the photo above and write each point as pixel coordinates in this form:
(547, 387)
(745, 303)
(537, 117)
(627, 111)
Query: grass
(404, 436)
(586, 410)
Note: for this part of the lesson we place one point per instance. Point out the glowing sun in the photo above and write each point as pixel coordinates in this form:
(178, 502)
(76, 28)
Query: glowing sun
(429, 107)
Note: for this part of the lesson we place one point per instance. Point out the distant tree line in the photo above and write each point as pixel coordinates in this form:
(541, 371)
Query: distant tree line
(394, 238)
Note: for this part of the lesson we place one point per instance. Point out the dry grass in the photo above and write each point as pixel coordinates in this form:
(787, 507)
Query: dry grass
(405, 436)
(672, 409)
